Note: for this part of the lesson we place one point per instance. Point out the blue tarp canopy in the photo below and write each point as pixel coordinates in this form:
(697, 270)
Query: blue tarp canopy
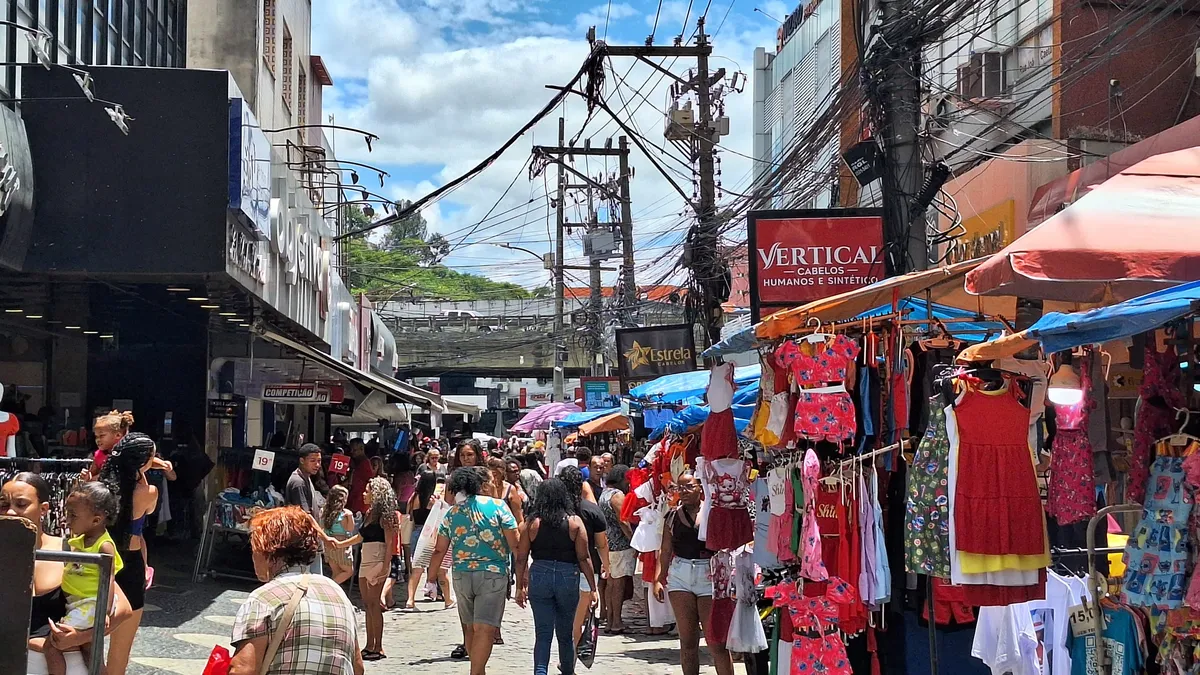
(1057, 331)
(697, 414)
(956, 321)
(578, 418)
(684, 388)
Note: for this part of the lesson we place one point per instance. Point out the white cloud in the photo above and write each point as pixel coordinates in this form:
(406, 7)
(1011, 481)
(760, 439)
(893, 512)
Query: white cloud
(602, 16)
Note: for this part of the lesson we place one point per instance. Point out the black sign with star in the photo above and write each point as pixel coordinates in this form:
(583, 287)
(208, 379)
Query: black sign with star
(644, 354)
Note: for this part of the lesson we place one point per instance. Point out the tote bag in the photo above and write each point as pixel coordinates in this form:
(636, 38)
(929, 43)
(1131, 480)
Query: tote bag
(428, 539)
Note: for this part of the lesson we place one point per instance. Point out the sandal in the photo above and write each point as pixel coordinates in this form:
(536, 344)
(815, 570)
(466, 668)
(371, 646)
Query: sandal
(460, 652)
(373, 656)
(499, 640)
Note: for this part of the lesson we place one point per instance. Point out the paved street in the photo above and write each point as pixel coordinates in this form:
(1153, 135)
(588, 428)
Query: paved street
(183, 621)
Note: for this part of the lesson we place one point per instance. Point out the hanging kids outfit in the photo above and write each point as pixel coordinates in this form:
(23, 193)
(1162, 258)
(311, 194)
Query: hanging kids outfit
(824, 410)
(1072, 490)
(817, 645)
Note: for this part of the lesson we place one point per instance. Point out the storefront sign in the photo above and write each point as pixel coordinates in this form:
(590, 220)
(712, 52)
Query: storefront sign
(345, 408)
(600, 393)
(985, 233)
(644, 354)
(290, 393)
(246, 253)
(865, 161)
(339, 464)
(224, 409)
(264, 460)
(802, 255)
(249, 169)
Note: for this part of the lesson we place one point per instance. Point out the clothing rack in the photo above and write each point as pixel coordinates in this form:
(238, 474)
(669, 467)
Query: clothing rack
(28, 463)
(875, 453)
(1103, 666)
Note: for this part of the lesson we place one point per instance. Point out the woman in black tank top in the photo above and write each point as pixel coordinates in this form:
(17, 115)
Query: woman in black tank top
(683, 574)
(557, 540)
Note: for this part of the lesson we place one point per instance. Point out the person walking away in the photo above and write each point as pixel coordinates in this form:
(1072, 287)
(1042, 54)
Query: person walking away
(622, 558)
(593, 521)
(378, 534)
(530, 474)
(554, 536)
(338, 522)
(124, 474)
(361, 472)
(419, 506)
(482, 533)
(300, 492)
(295, 623)
(89, 509)
(683, 574)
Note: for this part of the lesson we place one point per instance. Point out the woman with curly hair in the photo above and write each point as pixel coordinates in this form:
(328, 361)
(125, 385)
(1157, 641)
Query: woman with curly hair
(321, 635)
(378, 534)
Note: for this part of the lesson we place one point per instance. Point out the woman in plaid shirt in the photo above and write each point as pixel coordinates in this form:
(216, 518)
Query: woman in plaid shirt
(322, 638)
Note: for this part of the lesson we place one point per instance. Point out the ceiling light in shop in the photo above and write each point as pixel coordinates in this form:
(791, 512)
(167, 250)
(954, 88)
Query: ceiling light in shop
(198, 298)
(33, 316)
(13, 311)
(178, 289)
(106, 336)
(73, 327)
(244, 325)
(210, 307)
(91, 332)
(235, 319)
(228, 313)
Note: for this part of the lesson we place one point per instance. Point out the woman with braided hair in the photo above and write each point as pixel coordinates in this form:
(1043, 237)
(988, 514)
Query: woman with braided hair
(124, 473)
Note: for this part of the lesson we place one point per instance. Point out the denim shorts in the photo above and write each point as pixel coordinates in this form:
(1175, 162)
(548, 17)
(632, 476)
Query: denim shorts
(690, 576)
(583, 583)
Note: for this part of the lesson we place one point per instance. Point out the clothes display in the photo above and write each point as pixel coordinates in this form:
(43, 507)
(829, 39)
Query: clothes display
(819, 370)
(746, 633)
(817, 646)
(729, 523)
(812, 565)
(1157, 397)
(927, 513)
(1157, 555)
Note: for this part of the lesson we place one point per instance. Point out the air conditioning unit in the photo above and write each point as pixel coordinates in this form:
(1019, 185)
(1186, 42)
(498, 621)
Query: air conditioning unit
(982, 76)
(937, 112)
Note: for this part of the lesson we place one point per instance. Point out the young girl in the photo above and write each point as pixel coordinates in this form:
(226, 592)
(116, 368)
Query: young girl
(90, 509)
(339, 524)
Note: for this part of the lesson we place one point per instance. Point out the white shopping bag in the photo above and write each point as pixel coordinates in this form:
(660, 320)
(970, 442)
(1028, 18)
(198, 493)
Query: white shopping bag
(428, 539)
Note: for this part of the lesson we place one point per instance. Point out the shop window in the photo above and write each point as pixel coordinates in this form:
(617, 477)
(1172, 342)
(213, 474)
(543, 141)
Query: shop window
(269, 31)
(287, 68)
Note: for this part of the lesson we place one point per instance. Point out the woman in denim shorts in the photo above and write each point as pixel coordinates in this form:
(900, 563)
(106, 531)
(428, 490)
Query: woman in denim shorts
(684, 576)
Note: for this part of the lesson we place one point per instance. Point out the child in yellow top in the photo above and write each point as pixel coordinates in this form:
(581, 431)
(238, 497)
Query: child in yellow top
(90, 508)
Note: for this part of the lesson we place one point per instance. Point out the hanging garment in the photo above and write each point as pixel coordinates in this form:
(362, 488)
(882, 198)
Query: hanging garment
(927, 514)
(949, 604)
(764, 556)
(882, 573)
(729, 523)
(720, 387)
(1156, 555)
(841, 549)
(746, 633)
(720, 568)
(1191, 469)
(1160, 384)
(718, 436)
(779, 533)
(998, 508)
(925, 361)
(819, 370)
(1071, 494)
(817, 646)
(1005, 640)
(1036, 371)
(647, 536)
(811, 564)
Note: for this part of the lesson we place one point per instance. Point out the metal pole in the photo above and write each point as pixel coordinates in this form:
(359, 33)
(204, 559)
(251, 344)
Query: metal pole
(103, 596)
(559, 362)
(595, 300)
(627, 236)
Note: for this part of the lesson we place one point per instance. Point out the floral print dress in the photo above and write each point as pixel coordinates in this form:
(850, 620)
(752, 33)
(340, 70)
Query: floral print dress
(927, 517)
(821, 416)
(817, 647)
(812, 565)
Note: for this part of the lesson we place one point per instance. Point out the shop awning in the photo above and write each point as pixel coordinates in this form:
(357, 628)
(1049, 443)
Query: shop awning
(541, 416)
(852, 303)
(581, 418)
(374, 408)
(613, 422)
(1131, 235)
(371, 381)
(688, 387)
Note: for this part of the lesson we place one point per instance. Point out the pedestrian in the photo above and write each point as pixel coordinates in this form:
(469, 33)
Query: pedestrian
(300, 492)
(593, 521)
(683, 574)
(596, 472)
(506, 491)
(419, 506)
(361, 472)
(108, 430)
(609, 462)
(622, 558)
(338, 522)
(124, 473)
(514, 473)
(465, 454)
(378, 534)
(482, 534)
(307, 617)
(557, 541)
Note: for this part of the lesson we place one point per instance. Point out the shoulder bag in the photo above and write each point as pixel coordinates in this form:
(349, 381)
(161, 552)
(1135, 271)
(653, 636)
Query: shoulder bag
(285, 622)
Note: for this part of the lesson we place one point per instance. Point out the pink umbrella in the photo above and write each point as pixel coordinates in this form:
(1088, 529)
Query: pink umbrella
(541, 416)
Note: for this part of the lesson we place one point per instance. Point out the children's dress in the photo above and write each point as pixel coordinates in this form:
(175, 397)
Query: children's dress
(819, 370)
(817, 646)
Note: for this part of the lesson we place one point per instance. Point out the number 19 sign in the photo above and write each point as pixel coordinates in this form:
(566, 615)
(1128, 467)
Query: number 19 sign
(264, 460)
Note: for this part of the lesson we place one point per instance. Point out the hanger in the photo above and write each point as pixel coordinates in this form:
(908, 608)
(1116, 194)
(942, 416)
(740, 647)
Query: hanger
(816, 335)
(1181, 438)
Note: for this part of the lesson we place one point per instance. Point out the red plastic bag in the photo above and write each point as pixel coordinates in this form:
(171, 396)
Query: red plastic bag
(218, 662)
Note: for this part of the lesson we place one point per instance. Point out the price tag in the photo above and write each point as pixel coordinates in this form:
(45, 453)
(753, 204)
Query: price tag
(264, 460)
(339, 464)
(1083, 620)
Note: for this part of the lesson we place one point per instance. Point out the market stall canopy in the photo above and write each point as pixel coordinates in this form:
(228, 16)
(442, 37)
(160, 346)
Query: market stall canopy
(1058, 332)
(371, 381)
(688, 387)
(541, 416)
(613, 422)
(694, 415)
(375, 407)
(576, 419)
(852, 303)
(1135, 233)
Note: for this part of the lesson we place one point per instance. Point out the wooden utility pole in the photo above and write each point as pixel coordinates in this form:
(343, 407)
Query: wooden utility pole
(560, 347)
(630, 285)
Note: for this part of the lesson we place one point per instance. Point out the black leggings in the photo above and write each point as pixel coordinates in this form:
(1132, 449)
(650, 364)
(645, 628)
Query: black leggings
(132, 578)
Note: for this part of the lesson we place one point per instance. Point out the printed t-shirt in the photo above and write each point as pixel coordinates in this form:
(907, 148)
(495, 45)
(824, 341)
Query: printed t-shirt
(475, 529)
(1120, 646)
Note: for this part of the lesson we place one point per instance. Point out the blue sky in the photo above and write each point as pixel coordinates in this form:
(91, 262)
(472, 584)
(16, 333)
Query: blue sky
(446, 82)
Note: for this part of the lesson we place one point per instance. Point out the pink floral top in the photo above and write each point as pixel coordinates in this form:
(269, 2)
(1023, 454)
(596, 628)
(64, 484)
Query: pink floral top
(815, 612)
(829, 361)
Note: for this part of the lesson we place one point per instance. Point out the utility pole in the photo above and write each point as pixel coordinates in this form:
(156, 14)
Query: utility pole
(630, 287)
(697, 139)
(595, 299)
(902, 105)
(560, 351)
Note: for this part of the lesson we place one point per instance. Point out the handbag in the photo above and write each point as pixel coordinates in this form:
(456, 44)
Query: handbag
(586, 649)
(218, 662)
(285, 622)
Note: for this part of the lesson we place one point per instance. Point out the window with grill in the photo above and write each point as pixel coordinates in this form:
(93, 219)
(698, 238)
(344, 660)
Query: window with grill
(301, 103)
(269, 34)
(288, 65)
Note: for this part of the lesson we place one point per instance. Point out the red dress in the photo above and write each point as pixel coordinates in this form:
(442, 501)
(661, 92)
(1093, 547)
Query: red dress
(998, 510)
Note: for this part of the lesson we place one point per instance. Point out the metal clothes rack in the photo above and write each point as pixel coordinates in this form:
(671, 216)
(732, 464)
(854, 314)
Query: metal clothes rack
(1100, 588)
(103, 596)
(211, 530)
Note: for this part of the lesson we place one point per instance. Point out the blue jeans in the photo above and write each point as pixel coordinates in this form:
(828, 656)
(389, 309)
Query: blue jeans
(554, 594)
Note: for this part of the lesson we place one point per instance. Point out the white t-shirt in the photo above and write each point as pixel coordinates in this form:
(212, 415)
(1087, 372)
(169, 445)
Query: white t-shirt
(570, 461)
(1006, 641)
